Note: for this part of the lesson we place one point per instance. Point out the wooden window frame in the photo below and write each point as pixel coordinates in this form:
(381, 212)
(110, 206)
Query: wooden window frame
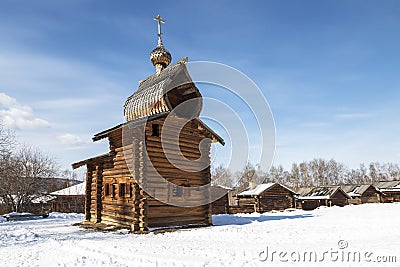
(107, 190)
(155, 130)
(131, 190)
(113, 190)
(122, 190)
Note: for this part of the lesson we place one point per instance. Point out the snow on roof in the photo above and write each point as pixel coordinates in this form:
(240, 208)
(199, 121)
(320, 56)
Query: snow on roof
(394, 189)
(355, 190)
(221, 186)
(387, 184)
(261, 188)
(313, 197)
(257, 190)
(76, 190)
(322, 192)
(352, 194)
(42, 199)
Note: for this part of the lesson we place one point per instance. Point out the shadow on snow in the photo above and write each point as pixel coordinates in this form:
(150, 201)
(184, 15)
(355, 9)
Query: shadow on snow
(242, 219)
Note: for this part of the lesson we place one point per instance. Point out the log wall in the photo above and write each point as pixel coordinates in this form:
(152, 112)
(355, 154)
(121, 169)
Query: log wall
(114, 190)
(370, 196)
(160, 214)
(221, 205)
(274, 198)
(339, 199)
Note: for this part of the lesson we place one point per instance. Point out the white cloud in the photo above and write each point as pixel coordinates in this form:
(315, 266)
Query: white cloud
(17, 116)
(72, 140)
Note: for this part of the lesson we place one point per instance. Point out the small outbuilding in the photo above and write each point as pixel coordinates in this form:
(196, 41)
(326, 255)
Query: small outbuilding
(221, 195)
(390, 191)
(312, 197)
(265, 197)
(363, 193)
(70, 199)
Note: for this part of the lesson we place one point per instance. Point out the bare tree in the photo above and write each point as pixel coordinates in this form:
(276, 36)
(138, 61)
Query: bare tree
(7, 141)
(24, 177)
(221, 176)
(7, 144)
(295, 177)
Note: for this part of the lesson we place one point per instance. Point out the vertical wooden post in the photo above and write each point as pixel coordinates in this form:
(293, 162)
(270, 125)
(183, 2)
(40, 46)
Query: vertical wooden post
(88, 192)
(99, 191)
(142, 181)
(139, 224)
(135, 195)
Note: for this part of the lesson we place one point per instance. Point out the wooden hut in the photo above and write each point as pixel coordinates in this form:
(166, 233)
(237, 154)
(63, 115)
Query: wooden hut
(363, 193)
(157, 170)
(70, 199)
(390, 190)
(221, 196)
(265, 197)
(313, 197)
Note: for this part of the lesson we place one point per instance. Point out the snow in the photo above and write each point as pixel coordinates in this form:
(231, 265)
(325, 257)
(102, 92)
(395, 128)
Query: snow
(235, 240)
(257, 190)
(76, 190)
(223, 187)
(261, 188)
(43, 199)
(313, 197)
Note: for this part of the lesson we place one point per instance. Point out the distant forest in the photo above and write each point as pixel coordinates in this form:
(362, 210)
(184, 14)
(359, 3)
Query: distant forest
(317, 172)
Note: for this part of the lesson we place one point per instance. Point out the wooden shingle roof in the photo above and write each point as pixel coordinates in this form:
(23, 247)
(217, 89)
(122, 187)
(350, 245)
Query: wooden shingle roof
(259, 189)
(161, 93)
(322, 192)
(357, 190)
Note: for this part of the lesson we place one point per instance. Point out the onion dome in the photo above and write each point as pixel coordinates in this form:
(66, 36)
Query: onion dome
(160, 56)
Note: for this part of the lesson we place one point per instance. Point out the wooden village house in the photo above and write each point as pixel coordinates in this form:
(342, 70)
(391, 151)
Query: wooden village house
(312, 197)
(157, 170)
(390, 190)
(363, 193)
(70, 199)
(265, 197)
(221, 196)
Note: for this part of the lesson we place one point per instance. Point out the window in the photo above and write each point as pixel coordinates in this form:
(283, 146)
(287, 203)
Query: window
(156, 130)
(113, 189)
(107, 189)
(131, 190)
(122, 190)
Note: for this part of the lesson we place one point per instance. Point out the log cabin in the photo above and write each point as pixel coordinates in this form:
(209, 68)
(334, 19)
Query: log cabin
(265, 197)
(362, 193)
(310, 198)
(221, 196)
(390, 191)
(67, 200)
(157, 170)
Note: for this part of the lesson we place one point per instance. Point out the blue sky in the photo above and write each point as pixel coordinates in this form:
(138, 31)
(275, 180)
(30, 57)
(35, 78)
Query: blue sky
(329, 69)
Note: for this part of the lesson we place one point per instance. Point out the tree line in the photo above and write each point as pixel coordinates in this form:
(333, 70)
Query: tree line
(317, 172)
(23, 173)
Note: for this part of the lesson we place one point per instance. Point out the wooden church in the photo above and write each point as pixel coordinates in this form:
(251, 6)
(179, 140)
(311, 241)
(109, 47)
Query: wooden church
(157, 170)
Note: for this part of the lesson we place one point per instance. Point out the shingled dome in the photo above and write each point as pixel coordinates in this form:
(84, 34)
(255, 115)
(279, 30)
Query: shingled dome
(163, 92)
(160, 55)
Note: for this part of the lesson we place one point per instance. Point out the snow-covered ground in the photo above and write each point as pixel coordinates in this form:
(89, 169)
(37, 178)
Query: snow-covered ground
(367, 233)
